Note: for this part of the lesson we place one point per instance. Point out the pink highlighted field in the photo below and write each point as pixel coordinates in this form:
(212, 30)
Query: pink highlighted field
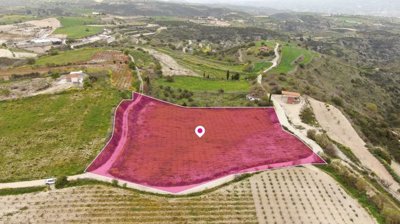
(154, 144)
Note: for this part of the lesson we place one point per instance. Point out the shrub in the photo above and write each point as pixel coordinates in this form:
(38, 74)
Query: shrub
(132, 65)
(307, 116)
(31, 61)
(322, 140)
(169, 79)
(87, 83)
(5, 92)
(311, 134)
(330, 150)
(337, 101)
(383, 155)
(114, 183)
(55, 75)
(61, 182)
(371, 107)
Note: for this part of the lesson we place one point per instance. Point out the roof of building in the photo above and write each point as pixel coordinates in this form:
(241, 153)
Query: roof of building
(292, 94)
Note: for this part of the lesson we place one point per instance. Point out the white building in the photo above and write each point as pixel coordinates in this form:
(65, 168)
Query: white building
(75, 77)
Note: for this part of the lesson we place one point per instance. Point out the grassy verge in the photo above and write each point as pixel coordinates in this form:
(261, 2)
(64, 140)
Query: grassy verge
(85, 182)
(52, 135)
(68, 57)
(16, 191)
(395, 176)
(201, 84)
(347, 151)
(78, 27)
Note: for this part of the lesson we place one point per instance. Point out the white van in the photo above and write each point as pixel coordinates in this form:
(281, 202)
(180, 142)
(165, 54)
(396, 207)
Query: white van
(50, 181)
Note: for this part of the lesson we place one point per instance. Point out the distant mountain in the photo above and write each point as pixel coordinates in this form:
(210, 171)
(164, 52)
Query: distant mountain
(154, 8)
(357, 7)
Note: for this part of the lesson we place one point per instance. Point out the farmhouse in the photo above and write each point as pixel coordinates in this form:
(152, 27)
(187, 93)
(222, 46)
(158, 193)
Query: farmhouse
(76, 77)
(291, 97)
(264, 49)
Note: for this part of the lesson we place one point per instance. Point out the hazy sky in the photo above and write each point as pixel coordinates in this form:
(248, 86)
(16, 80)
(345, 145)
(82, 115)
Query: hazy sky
(377, 7)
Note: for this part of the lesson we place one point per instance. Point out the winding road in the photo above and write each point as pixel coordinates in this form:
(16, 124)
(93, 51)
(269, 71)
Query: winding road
(274, 62)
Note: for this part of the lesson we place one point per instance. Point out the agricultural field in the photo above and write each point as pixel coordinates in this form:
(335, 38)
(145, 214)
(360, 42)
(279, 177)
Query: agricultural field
(68, 57)
(292, 195)
(78, 27)
(292, 56)
(105, 204)
(59, 135)
(117, 64)
(301, 195)
(197, 84)
(10, 19)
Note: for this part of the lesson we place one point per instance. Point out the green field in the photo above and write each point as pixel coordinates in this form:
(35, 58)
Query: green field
(200, 84)
(66, 57)
(51, 135)
(10, 19)
(289, 55)
(78, 27)
(261, 66)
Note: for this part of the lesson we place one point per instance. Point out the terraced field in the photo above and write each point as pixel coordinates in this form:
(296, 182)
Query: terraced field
(101, 204)
(201, 84)
(201, 65)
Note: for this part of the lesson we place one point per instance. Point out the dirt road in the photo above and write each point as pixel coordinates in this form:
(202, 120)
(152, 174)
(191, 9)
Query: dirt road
(274, 62)
(340, 130)
(138, 75)
(169, 66)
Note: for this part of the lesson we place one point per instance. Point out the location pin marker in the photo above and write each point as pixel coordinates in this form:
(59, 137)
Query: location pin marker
(200, 131)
